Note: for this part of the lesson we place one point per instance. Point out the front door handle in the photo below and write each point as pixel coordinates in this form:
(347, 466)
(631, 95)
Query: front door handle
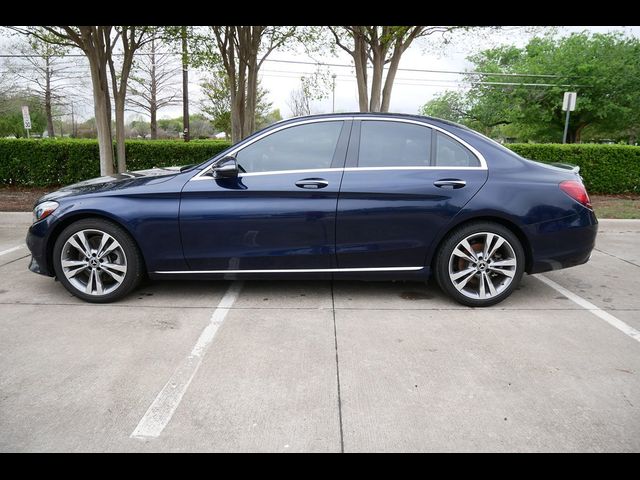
(312, 183)
(450, 183)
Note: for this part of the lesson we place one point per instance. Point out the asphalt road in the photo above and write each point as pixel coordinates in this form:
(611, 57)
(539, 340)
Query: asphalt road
(322, 366)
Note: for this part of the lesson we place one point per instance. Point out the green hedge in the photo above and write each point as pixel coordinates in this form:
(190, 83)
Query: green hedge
(52, 162)
(604, 168)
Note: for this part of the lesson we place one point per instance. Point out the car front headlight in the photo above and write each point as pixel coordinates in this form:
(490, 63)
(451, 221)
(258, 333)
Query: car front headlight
(43, 210)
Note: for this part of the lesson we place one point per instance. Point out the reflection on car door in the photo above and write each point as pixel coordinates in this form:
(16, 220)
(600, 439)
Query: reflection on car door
(278, 215)
(404, 182)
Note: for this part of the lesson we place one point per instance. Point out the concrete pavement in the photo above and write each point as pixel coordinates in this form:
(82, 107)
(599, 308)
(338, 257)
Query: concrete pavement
(325, 367)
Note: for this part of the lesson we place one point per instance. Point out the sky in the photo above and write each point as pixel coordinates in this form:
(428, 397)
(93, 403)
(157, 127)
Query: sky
(279, 76)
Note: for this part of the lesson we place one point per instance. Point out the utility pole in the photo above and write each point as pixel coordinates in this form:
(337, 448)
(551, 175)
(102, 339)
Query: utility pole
(185, 85)
(333, 88)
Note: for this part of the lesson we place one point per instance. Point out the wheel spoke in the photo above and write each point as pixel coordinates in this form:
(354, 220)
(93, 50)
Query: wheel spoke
(506, 273)
(509, 262)
(74, 243)
(85, 243)
(108, 267)
(103, 242)
(482, 292)
(492, 288)
(73, 263)
(99, 288)
(462, 283)
(462, 273)
(89, 287)
(459, 253)
(471, 251)
(495, 248)
(487, 245)
(109, 249)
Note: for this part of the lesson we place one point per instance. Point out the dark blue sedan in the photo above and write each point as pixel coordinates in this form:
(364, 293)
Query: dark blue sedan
(349, 196)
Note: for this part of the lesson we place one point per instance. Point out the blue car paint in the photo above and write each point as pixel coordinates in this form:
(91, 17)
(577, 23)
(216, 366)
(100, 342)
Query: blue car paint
(183, 225)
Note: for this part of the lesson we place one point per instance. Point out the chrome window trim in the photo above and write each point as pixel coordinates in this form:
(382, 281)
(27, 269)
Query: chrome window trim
(483, 163)
(299, 270)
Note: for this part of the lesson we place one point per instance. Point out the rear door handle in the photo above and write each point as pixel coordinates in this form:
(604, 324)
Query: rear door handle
(312, 183)
(450, 183)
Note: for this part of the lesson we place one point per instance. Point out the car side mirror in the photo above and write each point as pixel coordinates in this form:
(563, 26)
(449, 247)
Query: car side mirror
(226, 168)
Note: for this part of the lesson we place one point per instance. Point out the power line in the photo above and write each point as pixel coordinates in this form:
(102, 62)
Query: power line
(344, 65)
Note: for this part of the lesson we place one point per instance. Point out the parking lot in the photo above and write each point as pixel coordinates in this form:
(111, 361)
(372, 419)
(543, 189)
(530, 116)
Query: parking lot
(323, 366)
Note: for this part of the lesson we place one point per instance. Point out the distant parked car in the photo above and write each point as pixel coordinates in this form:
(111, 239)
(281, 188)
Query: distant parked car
(347, 196)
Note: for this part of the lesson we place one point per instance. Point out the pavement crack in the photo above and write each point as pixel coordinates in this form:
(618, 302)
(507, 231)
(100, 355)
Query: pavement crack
(335, 339)
(615, 256)
(14, 260)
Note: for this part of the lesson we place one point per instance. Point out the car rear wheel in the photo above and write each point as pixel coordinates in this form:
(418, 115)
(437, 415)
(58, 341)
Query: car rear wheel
(97, 261)
(480, 264)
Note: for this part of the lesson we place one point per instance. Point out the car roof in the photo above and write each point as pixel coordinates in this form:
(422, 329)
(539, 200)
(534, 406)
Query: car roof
(378, 114)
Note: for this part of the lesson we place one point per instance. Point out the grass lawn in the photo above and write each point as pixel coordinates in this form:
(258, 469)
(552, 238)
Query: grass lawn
(616, 206)
(21, 199)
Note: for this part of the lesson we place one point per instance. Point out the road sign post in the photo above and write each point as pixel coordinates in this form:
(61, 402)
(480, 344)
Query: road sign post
(26, 119)
(568, 105)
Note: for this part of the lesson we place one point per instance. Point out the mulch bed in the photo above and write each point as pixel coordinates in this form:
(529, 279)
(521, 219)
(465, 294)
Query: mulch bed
(20, 199)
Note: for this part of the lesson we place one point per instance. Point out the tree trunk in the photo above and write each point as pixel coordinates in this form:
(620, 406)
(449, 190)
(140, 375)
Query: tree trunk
(47, 99)
(120, 131)
(379, 54)
(391, 76)
(153, 104)
(360, 62)
(154, 123)
(185, 86)
(102, 111)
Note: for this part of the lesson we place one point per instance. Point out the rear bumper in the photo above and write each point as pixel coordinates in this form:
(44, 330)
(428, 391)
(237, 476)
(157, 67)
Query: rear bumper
(562, 243)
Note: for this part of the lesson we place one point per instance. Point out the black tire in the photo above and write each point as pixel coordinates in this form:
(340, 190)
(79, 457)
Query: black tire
(449, 244)
(135, 269)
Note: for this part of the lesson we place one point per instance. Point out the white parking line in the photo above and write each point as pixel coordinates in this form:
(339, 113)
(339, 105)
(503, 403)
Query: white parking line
(598, 312)
(163, 407)
(13, 249)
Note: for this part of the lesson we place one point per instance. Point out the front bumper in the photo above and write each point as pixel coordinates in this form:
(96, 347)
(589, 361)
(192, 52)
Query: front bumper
(37, 244)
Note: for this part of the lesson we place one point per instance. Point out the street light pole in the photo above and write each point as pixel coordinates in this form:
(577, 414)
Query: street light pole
(333, 106)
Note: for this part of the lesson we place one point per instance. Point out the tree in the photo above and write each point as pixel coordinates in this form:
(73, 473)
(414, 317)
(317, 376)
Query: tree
(237, 50)
(299, 103)
(95, 43)
(11, 123)
(98, 43)
(450, 105)
(153, 84)
(378, 46)
(217, 102)
(131, 39)
(602, 68)
(47, 73)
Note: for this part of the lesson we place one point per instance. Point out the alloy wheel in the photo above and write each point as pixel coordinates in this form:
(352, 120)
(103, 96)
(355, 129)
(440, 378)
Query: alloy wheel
(482, 265)
(93, 262)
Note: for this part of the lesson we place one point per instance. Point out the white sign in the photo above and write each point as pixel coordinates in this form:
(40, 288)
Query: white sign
(26, 118)
(569, 102)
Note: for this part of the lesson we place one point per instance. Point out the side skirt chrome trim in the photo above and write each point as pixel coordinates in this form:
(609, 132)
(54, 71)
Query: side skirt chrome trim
(301, 270)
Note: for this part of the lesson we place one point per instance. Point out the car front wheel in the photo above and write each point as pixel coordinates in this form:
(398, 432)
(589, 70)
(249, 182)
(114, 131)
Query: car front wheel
(480, 264)
(97, 261)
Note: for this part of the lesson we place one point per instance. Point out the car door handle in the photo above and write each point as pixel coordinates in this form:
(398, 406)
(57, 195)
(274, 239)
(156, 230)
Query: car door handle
(449, 183)
(314, 183)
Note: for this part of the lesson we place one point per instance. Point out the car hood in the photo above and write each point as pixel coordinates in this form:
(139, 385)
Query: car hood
(116, 181)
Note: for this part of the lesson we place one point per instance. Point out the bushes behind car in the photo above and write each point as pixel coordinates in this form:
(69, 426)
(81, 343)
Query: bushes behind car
(606, 169)
(53, 162)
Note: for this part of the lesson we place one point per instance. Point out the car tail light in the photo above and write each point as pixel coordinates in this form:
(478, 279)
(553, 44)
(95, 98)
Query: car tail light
(576, 190)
